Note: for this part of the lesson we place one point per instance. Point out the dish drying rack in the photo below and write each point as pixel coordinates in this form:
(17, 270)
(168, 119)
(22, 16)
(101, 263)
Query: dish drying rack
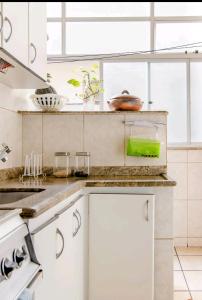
(33, 165)
(144, 143)
(143, 124)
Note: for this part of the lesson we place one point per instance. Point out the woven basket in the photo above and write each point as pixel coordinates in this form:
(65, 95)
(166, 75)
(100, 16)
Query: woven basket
(49, 102)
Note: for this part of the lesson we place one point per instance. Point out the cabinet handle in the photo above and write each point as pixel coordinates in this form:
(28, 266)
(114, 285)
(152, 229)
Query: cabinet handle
(35, 53)
(77, 228)
(11, 29)
(63, 243)
(1, 17)
(147, 211)
(78, 213)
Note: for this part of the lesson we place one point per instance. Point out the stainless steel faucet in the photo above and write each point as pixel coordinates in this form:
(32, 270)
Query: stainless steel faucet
(3, 152)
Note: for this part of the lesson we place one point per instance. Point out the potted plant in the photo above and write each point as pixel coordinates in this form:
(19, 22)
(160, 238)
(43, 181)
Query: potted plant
(91, 85)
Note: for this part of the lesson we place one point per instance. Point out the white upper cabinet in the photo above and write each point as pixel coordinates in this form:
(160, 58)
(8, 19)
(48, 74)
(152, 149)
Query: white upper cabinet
(37, 38)
(121, 246)
(15, 29)
(23, 35)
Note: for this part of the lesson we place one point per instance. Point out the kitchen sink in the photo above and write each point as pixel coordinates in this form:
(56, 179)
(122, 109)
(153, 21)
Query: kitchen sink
(12, 194)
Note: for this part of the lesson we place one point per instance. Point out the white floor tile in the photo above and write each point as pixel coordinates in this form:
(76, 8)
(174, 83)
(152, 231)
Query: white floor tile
(194, 280)
(189, 250)
(196, 295)
(179, 281)
(191, 263)
(176, 265)
(181, 296)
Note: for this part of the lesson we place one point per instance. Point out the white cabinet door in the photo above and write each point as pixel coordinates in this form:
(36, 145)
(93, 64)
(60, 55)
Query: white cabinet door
(15, 30)
(37, 38)
(64, 276)
(71, 263)
(44, 243)
(81, 251)
(121, 246)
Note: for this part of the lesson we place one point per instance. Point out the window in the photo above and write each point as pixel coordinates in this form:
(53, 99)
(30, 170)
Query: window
(170, 79)
(177, 34)
(178, 9)
(97, 41)
(54, 9)
(132, 77)
(168, 92)
(196, 101)
(54, 45)
(100, 9)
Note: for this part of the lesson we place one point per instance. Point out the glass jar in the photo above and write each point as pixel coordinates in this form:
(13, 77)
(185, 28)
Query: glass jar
(82, 164)
(62, 164)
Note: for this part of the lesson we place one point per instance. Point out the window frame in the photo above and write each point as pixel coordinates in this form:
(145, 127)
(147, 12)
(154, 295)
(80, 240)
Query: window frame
(149, 58)
(152, 19)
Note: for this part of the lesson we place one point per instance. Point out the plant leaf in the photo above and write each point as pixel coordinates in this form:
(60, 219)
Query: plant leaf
(74, 82)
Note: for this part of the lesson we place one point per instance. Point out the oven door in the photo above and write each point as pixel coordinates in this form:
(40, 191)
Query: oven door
(29, 292)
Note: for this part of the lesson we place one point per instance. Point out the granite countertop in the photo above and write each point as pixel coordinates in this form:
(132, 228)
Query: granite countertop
(57, 189)
(91, 112)
(7, 214)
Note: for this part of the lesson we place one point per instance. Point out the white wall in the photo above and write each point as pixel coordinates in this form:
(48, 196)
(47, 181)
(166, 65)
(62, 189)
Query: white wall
(11, 101)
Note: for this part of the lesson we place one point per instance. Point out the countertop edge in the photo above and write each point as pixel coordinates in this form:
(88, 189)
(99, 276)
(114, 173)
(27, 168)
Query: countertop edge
(58, 192)
(9, 213)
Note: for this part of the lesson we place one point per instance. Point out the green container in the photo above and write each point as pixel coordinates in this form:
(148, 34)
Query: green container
(143, 147)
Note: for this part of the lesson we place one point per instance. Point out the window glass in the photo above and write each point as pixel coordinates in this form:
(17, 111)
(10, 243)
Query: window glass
(196, 101)
(107, 9)
(106, 37)
(62, 72)
(175, 34)
(168, 92)
(54, 44)
(178, 8)
(125, 76)
(54, 9)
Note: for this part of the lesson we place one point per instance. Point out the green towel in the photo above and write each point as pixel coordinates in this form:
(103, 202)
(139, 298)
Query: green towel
(143, 147)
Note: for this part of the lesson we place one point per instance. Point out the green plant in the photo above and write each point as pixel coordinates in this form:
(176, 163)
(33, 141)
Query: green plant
(91, 85)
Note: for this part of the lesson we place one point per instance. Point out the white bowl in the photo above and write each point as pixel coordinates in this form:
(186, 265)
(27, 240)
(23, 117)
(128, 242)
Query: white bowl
(49, 102)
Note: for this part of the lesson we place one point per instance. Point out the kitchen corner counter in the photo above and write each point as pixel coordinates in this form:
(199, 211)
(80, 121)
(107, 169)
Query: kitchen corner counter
(5, 215)
(56, 190)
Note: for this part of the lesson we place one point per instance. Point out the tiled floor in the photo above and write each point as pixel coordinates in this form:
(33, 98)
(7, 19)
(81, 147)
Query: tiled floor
(188, 273)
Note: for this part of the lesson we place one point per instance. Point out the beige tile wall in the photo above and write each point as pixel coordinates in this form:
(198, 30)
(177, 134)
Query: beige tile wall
(11, 134)
(103, 135)
(186, 167)
(12, 100)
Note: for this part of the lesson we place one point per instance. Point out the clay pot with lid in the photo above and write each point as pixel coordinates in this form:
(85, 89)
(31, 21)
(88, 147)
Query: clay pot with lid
(126, 102)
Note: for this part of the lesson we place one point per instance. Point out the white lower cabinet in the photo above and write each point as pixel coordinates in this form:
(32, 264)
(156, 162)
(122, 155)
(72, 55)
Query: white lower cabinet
(81, 252)
(61, 248)
(71, 269)
(64, 274)
(121, 247)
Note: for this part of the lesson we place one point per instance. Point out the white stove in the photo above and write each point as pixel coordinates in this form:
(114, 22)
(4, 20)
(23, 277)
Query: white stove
(19, 268)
